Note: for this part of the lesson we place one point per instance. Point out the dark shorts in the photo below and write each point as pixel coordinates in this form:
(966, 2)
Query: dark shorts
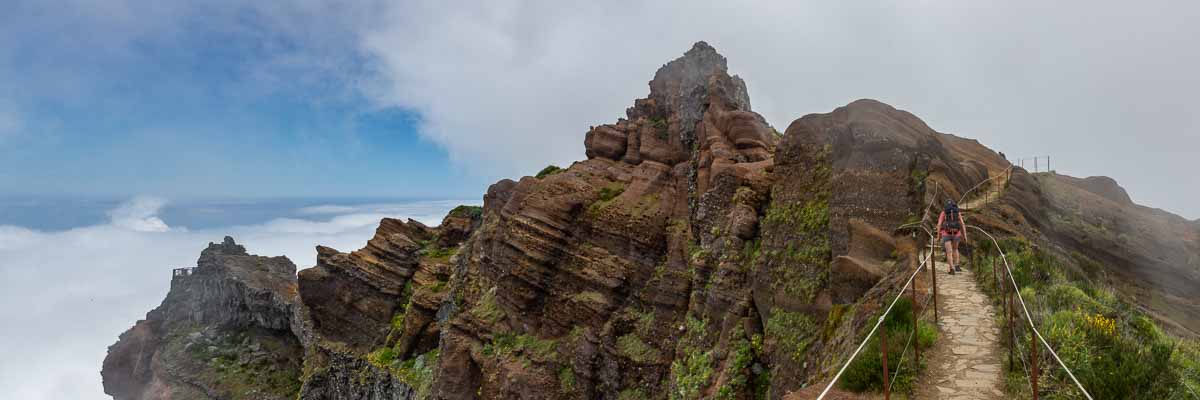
(951, 238)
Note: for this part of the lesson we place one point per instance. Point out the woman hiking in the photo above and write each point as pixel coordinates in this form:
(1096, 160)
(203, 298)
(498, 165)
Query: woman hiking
(952, 230)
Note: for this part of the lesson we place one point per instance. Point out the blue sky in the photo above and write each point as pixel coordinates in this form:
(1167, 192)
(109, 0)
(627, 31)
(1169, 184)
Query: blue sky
(217, 102)
(423, 98)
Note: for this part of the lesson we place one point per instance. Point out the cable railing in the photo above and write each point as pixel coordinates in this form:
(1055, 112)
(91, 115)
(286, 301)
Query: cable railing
(883, 337)
(1036, 335)
(1008, 289)
(913, 337)
(992, 189)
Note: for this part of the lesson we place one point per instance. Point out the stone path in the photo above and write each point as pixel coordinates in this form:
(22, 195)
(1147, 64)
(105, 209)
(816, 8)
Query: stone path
(965, 363)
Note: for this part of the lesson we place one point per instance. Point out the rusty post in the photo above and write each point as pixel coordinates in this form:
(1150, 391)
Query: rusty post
(1047, 170)
(1033, 363)
(883, 346)
(933, 273)
(916, 332)
(995, 275)
(1012, 334)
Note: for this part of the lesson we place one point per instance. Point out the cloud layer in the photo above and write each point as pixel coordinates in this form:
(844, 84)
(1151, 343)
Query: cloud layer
(1105, 88)
(66, 295)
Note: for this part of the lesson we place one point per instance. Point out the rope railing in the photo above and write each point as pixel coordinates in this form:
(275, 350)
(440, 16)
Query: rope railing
(1006, 173)
(933, 296)
(911, 335)
(1016, 289)
(875, 328)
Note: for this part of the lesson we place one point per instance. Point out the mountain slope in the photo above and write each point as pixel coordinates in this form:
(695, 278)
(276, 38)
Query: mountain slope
(696, 253)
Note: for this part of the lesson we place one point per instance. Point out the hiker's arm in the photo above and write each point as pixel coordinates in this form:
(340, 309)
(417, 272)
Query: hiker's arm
(941, 220)
(963, 222)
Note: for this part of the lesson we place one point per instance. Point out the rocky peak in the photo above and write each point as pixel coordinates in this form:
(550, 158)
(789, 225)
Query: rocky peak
(1103, 186)
(683, 85)
(665, 127)
(235, 308)
(226, 247)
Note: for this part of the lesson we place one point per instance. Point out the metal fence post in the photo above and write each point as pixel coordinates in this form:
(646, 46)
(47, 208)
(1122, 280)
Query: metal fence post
(883, 346)
(916, 332)
(1012, 334)
(995, 275)
(933, 273)
(1033, 363)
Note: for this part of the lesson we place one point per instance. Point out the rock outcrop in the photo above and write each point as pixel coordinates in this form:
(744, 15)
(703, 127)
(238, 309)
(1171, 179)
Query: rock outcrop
(224, 331)
(379, 304)
(696, 253)
(1149, 255)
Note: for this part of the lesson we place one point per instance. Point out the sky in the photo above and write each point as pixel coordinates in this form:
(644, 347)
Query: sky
(428, 99)
(132, 132)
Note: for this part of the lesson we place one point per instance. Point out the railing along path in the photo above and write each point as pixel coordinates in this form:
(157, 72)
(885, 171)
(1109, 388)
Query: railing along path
(1010, 288)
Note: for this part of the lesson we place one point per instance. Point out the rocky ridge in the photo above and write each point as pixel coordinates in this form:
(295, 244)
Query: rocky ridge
(224, 331)
(696, 253)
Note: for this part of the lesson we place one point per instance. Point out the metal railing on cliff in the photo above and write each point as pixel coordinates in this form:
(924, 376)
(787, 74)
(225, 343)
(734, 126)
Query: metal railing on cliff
(1003, 281)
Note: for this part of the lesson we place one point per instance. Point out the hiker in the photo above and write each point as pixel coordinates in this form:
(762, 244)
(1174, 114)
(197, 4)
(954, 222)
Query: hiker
(952, 230)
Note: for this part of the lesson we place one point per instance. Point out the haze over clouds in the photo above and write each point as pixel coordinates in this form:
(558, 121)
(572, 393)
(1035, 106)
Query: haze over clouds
(428, 99)
(505, 87)
(68, 294)
(1106, 88)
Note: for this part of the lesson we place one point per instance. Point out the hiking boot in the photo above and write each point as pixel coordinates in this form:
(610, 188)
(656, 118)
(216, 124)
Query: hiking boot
(958, 268)
(951, 271)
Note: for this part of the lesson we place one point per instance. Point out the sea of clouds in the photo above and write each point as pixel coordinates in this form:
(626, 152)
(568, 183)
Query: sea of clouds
(66, 295)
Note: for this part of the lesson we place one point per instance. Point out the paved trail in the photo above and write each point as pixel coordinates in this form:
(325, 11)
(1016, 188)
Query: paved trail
(965, 363)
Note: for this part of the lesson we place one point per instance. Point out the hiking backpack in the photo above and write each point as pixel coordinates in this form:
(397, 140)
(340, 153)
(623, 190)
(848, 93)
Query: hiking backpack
(951, 223)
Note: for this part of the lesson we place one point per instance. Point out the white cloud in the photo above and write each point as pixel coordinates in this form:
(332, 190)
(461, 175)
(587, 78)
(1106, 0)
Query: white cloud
(508, 86)
(66, 295)
(140, 214)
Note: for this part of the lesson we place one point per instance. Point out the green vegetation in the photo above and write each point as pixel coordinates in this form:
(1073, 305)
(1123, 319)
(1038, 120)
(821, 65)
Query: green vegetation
(802, 270)
(1114, 350)
(693, 371)
(865, 372)
(589, 297)
(549, 170)
(809, 217)
(232, 369)
(467, 211)
(632, 347)
(918, 179)
(632, 394)
(691, 375)
(660, 128)
(416, 372)
(792, 331)
(566, 379)
(742, 353)
(487, 309)
(606, 196)
(509, 345)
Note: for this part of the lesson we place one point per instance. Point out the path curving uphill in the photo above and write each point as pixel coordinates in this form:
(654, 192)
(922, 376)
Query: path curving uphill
(965, 363)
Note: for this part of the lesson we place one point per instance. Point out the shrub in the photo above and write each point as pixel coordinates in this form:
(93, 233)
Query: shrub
(549, 170)
(635, 349)
(1113, 349)
(467, 211)
(865, 372)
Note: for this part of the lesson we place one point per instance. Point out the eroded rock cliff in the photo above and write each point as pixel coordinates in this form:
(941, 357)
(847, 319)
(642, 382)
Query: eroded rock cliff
(224, 331)
(696, 253)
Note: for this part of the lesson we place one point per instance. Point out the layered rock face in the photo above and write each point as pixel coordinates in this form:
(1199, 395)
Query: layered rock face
(378, 304)
(224, 331)
(690, 254)
(696, 253)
